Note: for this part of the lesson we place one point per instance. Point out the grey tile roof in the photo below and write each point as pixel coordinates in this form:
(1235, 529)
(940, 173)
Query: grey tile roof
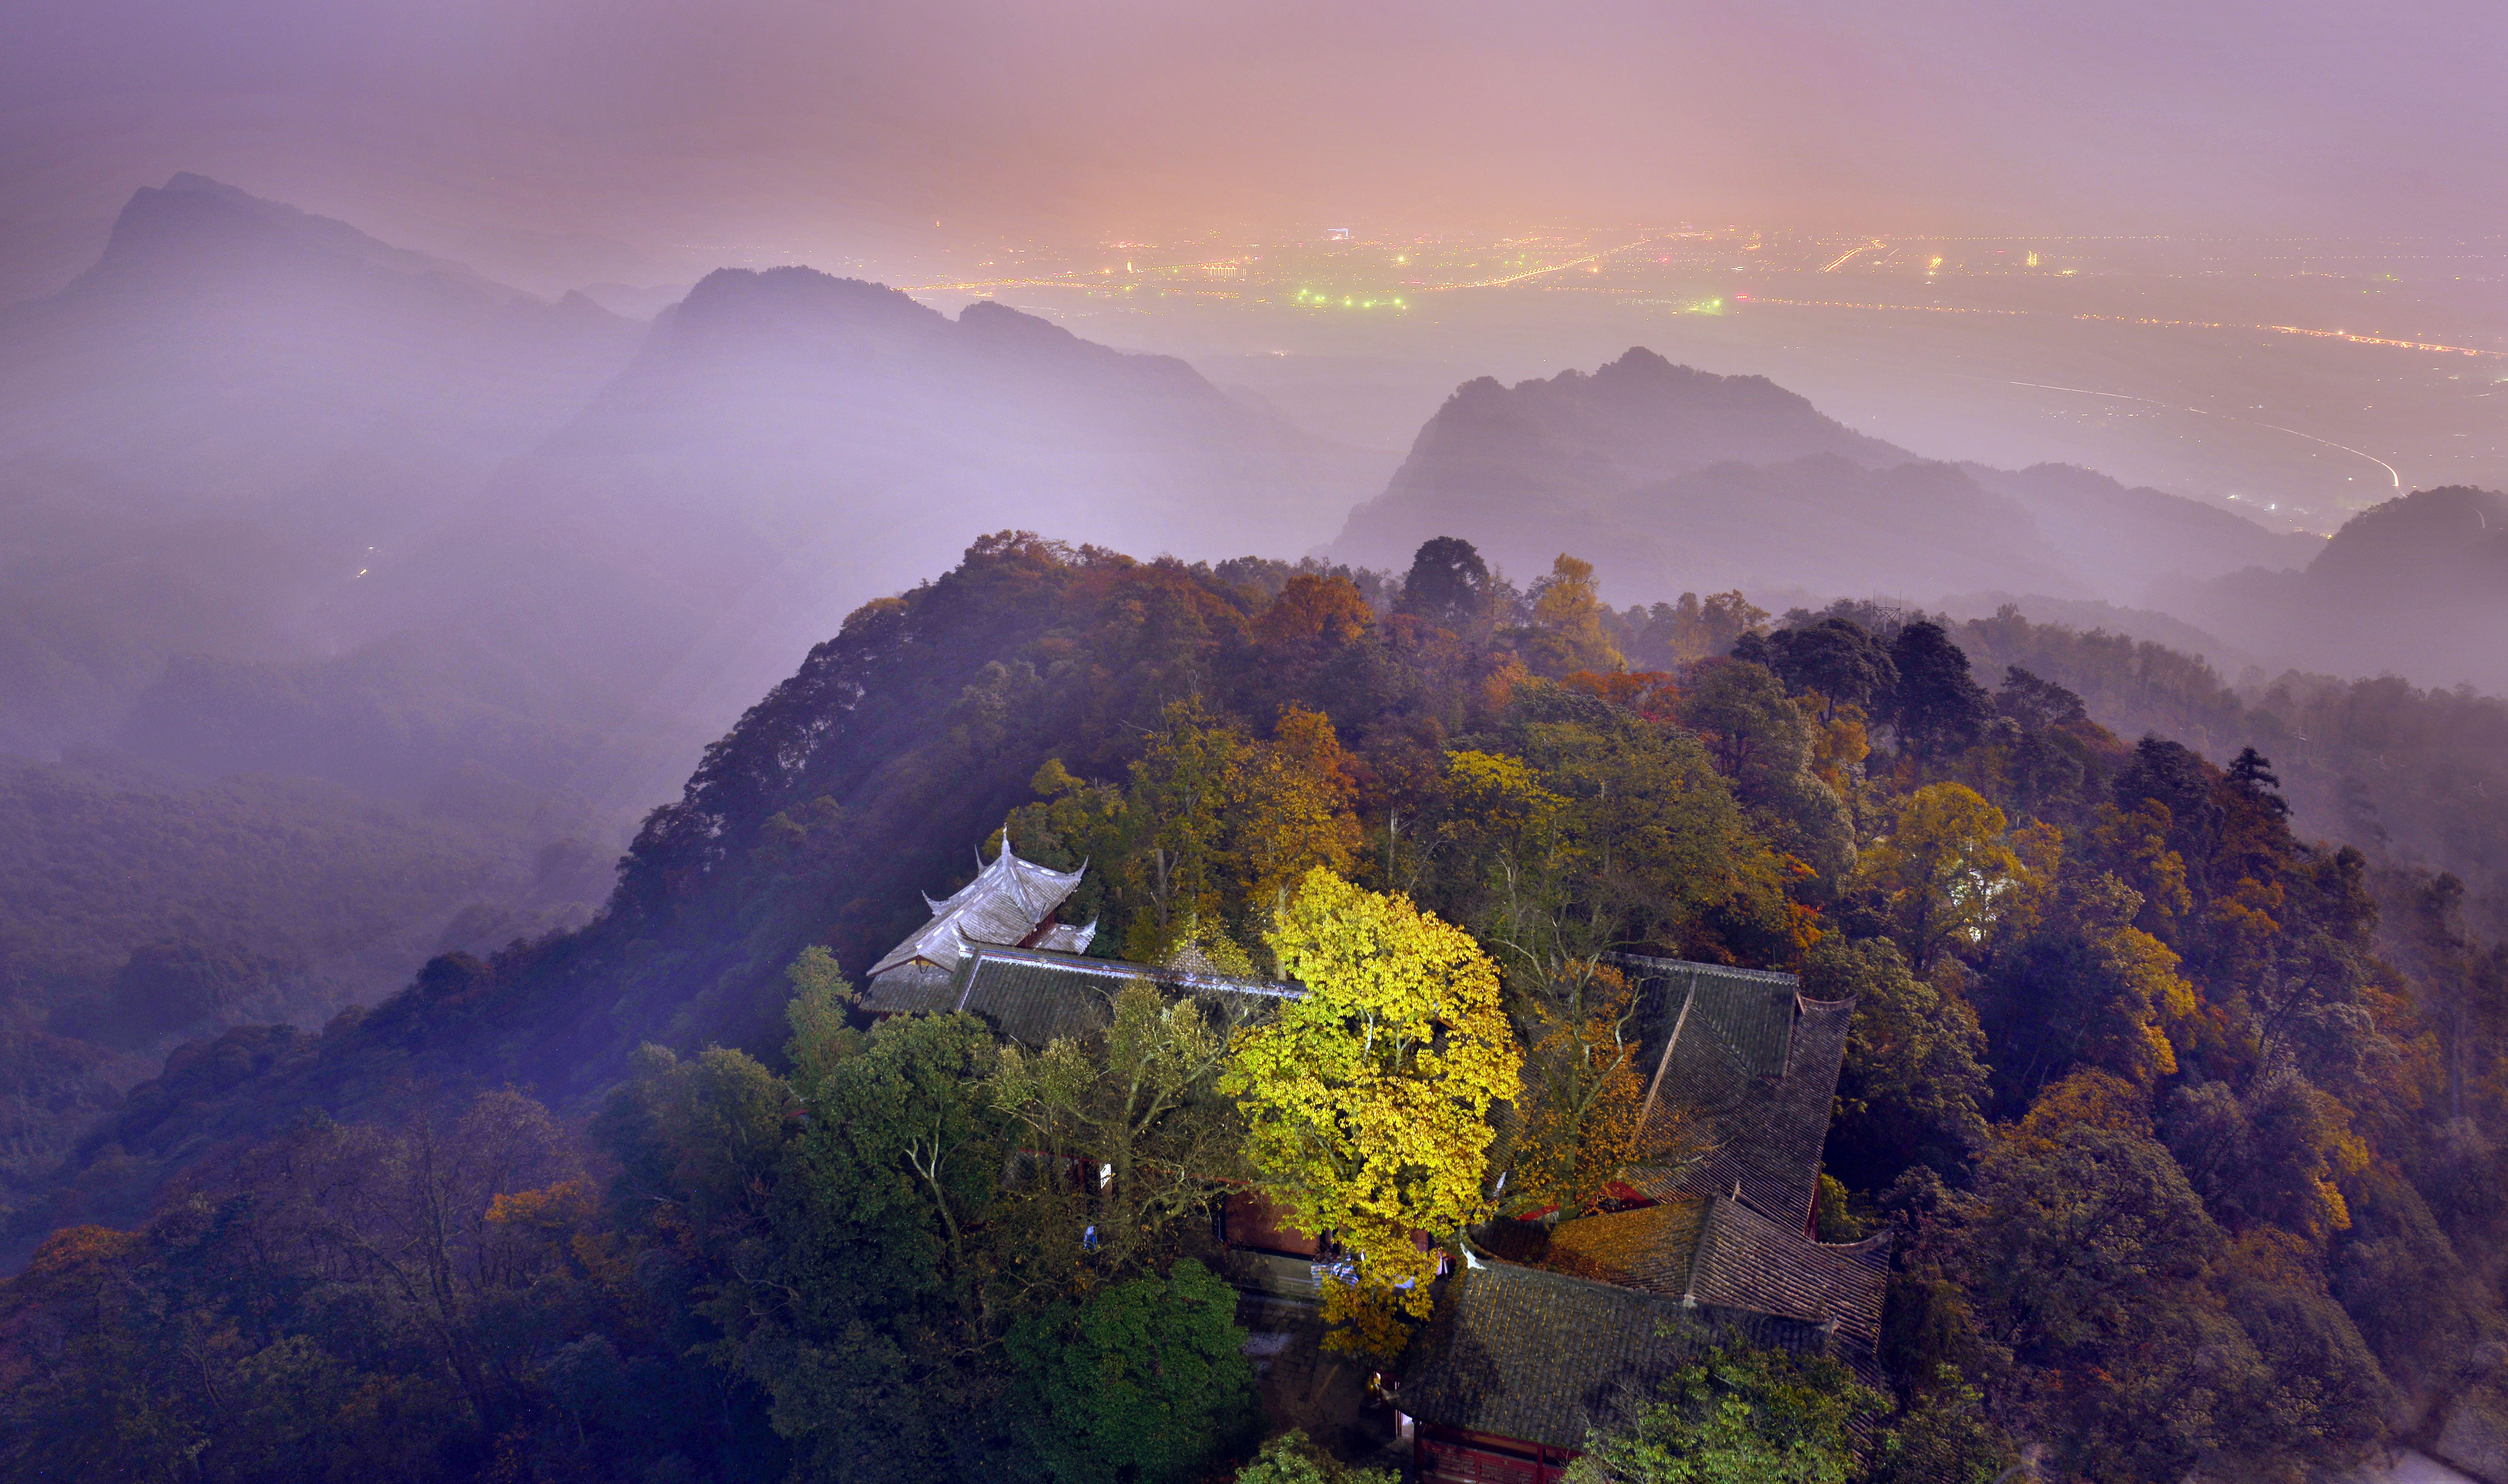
(910, 988)
(1009, 901)
(1740, 1100)
(1722, 1254)
(1654, 1248)
(1737, 1110)
(1033, 996)
(1544, 1356)
(1063, 938)
(1743, 999)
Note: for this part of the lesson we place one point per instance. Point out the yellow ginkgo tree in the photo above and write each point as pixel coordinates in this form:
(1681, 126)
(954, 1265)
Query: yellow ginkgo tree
(1369, 1098)
(1949, 869)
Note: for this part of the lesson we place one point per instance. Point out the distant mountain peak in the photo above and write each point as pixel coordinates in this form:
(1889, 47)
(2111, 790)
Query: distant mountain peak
(191, 211)
(1643, 388)
(737, 309)
(2417, 584)
(192, 225)
(1640, 367)
(751, 322)
(1638, 358)
(185, 182)
(2406, 540)
(999, 321)
(1502, 465)
(797, 285)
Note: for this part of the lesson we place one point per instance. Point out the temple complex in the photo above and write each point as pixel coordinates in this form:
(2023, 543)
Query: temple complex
(1531, 1348)
(1552, 1325)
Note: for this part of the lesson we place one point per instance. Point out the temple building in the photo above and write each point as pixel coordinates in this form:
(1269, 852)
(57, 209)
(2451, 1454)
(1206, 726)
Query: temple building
(993, 950)
(1738, 1100)
(1553, 1324)
(1034, 996)
(1009, 904)
(1531, 1348)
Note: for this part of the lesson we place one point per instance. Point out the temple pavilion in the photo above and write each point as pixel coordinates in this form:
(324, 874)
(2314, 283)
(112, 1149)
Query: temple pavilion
(994, 950)
(1009, 904)
(1529, 1349)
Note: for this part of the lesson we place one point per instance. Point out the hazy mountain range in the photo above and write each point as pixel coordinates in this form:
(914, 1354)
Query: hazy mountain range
(1673, 479)
(2417, 586)
(787, 445)
(275, 496)
(278, 497)
(207, 437)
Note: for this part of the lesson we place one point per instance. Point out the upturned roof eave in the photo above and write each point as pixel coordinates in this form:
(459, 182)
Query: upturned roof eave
(1036, 891)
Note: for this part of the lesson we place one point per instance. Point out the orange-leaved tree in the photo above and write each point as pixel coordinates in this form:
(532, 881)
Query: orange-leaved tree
(1576, 1122)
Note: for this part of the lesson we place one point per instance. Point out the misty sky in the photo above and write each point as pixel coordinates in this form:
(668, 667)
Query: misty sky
(564, 141)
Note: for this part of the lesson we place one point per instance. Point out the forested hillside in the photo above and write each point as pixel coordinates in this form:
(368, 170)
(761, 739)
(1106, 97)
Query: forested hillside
(2189, 1143)
(146, 908)
(2417, 586)
(2417, 779)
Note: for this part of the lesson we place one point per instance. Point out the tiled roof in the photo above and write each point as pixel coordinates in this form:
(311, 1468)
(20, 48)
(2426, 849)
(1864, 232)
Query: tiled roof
(912, 988)
(1737, 1111)
(1033, 996)
(1006, 902)
(1724, 1254)
(1740, 1101)
(1544, 1356)
(1063, 938)
(1663, 988)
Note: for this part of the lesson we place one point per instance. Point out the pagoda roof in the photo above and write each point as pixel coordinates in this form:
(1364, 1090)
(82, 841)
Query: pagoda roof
(1722, 1254)
(1033, 996)
(1005, 903)
(1545, 1357)
(1740, 1101)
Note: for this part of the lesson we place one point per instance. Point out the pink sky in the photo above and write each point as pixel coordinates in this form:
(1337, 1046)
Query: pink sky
(567, 140)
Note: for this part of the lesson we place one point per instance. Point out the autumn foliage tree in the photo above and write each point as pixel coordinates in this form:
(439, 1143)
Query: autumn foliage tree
(1368, 1099)
(1576, 1122)
(1567, 633)
(1212, 828)
(1946, 870)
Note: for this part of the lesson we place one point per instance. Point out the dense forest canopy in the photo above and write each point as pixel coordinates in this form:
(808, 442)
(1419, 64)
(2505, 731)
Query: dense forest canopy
(2187, 1124)
(147, 909)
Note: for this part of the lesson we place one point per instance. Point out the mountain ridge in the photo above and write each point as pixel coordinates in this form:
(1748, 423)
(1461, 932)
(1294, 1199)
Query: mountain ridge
(782, 444)
(193, 223)
(1597, 456)
(2417, 584)
(1545, 445)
